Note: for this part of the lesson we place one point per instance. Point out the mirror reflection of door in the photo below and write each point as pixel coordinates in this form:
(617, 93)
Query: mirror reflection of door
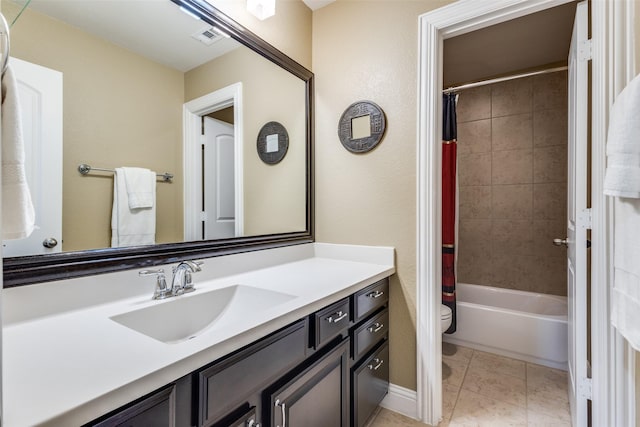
(219, 183)
(40, 97)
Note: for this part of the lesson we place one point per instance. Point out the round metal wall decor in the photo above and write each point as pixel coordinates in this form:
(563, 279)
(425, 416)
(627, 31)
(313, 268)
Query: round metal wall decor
(356, 135)
(273, 143)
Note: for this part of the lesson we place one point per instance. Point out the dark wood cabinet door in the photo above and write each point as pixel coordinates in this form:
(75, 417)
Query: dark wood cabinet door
(370, 383)
(227, 384)
(316, 397)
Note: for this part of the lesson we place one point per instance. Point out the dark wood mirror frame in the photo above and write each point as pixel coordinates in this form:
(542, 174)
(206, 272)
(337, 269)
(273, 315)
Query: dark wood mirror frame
(27, 270)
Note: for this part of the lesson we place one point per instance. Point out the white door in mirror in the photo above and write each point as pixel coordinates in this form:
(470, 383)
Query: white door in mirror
(40, 94)
(219, 183)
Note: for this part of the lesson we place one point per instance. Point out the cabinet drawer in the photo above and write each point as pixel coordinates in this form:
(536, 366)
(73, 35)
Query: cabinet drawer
(330, 322)
(156, 410)
(370, 299)
(227, 384)
(369, 334)
(246, 420)
(370, 383)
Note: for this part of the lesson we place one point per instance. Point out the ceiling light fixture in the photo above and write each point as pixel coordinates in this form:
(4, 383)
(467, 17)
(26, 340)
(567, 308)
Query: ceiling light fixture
(262, 9)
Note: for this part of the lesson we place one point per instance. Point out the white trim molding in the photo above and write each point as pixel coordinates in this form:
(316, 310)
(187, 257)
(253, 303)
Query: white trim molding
(613, 361)
(192, 164)
(400, 400)
(452, 20)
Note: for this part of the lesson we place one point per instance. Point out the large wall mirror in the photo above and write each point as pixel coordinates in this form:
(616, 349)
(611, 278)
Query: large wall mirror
(172, 86)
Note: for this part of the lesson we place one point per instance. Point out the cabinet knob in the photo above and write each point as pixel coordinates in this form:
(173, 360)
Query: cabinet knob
(339, 315)
(376, 294)
(376, 367)
(375, 328)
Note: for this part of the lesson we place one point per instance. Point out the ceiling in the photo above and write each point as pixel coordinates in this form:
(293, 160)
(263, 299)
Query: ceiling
(158, 30)
(521, 44)
(155, 29)
(317, 4)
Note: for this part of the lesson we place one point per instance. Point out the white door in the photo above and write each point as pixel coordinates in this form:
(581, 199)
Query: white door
(219, 182)
(40, 95)
(578, 219)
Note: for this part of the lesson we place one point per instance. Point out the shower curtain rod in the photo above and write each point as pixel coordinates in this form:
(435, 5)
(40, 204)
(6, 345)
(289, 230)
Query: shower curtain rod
(503, 79)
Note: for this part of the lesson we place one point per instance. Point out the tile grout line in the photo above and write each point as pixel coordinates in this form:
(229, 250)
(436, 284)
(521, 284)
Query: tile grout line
(466, 370)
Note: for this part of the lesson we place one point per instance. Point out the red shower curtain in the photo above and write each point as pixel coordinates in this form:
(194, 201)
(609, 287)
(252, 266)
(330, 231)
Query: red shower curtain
(449, 134)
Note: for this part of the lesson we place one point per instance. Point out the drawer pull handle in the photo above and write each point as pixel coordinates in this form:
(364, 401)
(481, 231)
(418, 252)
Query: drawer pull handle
(284, 413)
(339, 316)
(379, 363)
(376, 294)
(376, 327)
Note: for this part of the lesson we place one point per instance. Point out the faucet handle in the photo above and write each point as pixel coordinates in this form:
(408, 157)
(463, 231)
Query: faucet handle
(188, 280)
(161, 290)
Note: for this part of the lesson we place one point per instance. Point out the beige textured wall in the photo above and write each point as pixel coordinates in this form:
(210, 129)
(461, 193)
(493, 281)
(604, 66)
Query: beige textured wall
(368, 50)
(119, 110)
(512, 142)
(274, 195)
(289, 29)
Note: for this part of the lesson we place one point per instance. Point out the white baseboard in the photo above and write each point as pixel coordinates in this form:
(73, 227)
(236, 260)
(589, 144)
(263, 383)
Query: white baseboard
(401, 400)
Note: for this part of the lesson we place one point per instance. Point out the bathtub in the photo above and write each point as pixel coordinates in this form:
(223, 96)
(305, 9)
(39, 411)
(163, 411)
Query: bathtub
(522, 325)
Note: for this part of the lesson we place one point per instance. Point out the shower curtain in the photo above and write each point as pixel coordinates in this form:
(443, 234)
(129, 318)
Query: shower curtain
(449, 131)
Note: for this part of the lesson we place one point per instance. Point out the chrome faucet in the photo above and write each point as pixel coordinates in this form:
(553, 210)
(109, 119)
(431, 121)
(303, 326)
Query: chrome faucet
(182, 281)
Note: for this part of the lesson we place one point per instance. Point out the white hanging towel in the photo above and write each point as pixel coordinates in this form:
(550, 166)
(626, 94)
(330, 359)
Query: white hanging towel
(18, 217)
(133, 227)
(625, 304)
(622, 177)
(622, 180)
(141, 187)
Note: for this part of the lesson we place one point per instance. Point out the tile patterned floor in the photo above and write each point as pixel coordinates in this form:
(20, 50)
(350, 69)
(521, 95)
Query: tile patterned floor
(485, 390)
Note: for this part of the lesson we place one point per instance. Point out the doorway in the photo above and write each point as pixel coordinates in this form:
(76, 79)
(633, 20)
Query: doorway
(447, 22)
(218, 183)
(213, 187)
(40, 96)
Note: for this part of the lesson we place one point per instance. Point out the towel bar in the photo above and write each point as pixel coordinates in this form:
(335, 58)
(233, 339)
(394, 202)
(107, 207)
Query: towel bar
(84, 169)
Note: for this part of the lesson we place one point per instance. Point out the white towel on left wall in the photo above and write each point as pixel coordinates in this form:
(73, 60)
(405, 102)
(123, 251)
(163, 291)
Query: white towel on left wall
(132, 227)
(18, 217)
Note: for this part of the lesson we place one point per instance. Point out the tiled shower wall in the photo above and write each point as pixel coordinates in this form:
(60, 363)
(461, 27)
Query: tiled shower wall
(512, 171)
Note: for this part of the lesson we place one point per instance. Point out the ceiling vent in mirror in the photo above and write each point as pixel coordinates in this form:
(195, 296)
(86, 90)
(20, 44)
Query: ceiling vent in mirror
(207, 36)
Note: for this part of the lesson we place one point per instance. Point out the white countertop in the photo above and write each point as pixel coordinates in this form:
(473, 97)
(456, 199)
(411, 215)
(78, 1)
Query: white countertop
(65, 362)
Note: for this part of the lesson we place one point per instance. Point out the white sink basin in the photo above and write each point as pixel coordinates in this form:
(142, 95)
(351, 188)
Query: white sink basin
(187, 316)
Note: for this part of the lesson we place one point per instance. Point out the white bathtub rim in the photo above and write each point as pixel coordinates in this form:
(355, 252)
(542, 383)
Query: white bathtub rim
(526, 294)
(514, 291)
(547, 317)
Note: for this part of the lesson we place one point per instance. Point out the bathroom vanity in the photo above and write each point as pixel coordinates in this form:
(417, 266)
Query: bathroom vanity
(316, 355)
(314, 372)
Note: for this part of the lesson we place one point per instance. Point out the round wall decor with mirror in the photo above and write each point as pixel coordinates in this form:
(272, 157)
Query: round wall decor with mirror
(273, 143)
(362, 126)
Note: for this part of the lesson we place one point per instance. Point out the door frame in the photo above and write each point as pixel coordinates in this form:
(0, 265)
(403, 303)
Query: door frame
(192, 166)
(613, 364)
